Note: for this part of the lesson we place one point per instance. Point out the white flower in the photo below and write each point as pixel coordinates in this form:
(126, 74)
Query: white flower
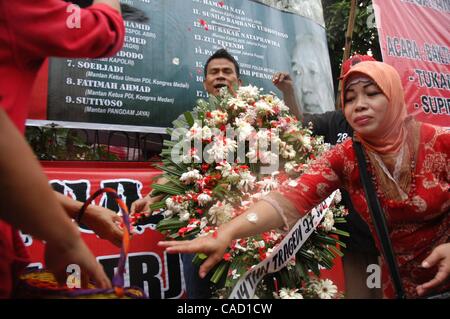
(338, 197)
(184, 216)
(239, 247)
(268, 184)
(206, 133)
(286, 293)
(195, 132)
(176, 208)
(328, 221)
(252, 155)
(244, 129)
(325, 289)
(220, 213)
(269, 158)
(306, 142)
(251, 116)
(191, 157)
(236, 104)
(204, 199)
(247, 181)
(248, 92)
(219, 117)
(203, 222)
(221, 148)
(235, 274)
(264, 108)
(190, 177)
(288, 152)
(280, 104)
(289, 167)
(167, 213)
(228, 172)
(260, 244)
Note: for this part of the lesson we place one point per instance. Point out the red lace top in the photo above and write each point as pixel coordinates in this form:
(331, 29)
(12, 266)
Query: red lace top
(417, 224)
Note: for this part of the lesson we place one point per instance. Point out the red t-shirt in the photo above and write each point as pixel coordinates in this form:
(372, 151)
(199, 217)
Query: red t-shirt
(31, 31)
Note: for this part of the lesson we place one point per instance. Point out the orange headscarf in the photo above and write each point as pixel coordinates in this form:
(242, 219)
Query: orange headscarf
(388, 80)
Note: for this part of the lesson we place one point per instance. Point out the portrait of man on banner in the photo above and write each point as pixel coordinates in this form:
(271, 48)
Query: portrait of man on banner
(312, 74)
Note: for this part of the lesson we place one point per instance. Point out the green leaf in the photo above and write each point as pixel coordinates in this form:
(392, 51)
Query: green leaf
(303, 272)
(169, 143)
(169, 170)
(220, 271)
(180, 166)
(189, 118)
(199, 259)
(158, 205)
(174, 181)
(325, 239)
(173, 190)
(340, 232)
(171, 224)
(336, 251)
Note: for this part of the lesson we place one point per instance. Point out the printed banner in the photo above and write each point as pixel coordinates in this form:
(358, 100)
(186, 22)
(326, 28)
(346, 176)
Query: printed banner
(148, 266)
(159, 73)
(415, 39)
(283, 253)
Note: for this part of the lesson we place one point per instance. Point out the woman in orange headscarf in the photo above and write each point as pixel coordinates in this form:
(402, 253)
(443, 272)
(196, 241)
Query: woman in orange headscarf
(410, 164)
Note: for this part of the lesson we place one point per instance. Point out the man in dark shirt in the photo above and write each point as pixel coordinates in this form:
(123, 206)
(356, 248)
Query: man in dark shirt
(361, 251)
(221, 70)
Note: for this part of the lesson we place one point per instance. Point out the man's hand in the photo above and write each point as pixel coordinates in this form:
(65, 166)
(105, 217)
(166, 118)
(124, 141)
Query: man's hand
(283, 82)
(439, 256)
(143, 205)
(74, 251)
(103, 221)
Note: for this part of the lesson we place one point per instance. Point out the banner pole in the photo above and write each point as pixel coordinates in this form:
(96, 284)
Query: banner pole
(348, 46)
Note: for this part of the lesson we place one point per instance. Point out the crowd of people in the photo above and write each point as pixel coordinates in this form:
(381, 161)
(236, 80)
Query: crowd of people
(409, 163)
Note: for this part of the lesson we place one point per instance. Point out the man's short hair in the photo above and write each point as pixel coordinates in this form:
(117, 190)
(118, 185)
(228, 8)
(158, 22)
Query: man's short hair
(222, 54)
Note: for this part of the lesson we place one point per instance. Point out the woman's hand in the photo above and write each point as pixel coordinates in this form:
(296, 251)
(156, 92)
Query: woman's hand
(104, 223)
(68, 251)
(439, 256)
(214, 246)
(142, 205)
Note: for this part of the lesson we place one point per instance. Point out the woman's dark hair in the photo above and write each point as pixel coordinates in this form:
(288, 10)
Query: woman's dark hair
(222, 54)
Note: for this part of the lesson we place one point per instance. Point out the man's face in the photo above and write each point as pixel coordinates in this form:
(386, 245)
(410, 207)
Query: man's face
(307, 78)
(220, 72)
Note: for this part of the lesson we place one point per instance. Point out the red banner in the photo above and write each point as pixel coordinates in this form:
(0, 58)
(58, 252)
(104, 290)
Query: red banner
(415, 39)
(148, 267)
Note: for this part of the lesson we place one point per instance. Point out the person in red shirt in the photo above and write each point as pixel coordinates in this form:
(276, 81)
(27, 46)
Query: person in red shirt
(29, 33)
(360, 250)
